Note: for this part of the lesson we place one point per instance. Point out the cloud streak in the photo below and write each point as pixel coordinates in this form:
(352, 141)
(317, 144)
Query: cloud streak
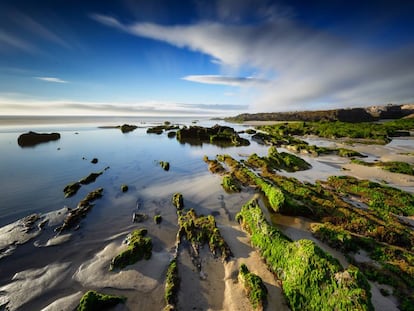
(51, 79)
(18, 104)
(224, 80)
(312, 69)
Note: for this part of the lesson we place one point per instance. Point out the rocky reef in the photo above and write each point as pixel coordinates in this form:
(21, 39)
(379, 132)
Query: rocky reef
(255, 289)
(222, 136)
(31, 139)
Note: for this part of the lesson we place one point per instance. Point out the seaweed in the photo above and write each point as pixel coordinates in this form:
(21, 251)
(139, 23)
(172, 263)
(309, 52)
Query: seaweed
(254, 286)
(94, 301)
(139, 247)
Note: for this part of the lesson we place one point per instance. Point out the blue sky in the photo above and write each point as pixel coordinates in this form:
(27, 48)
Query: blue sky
(196, 57)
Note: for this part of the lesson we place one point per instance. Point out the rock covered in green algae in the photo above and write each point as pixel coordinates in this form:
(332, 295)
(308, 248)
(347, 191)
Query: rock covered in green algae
(172, 284)
(126, 128)
(254, 287)
(84, 206)
(218, 135)
(157, 219)
(165, 165)
(178, 201)
(124, 188)
(201, 230)
(139, 247)
(94, 301)
(31, 139)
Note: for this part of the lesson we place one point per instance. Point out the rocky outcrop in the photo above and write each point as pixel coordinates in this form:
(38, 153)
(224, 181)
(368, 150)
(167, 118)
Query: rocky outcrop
(31, 139)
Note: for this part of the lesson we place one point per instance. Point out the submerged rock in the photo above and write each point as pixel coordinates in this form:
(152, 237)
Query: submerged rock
(124, 188)
(138, 217)
(31, 139)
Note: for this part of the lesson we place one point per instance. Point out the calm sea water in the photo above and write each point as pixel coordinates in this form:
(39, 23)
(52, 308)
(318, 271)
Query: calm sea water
(32, 179)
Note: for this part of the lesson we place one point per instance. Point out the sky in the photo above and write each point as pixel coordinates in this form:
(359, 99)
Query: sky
(203, 57)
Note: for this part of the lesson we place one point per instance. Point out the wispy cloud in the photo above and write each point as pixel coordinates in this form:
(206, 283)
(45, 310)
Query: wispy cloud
(311, 68)
(51, 79)
(20, 104)
(225, 80)
(8, 40)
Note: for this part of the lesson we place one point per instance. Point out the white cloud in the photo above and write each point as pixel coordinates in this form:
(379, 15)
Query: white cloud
(224, 80)
(310, 67)
(20, 104)
(51, 79)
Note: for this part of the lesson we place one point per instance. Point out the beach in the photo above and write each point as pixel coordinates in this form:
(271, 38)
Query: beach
(43, 270)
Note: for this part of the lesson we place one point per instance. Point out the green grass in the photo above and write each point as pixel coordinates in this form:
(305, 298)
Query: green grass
(311, 278)
(94, 301)
(139, 247)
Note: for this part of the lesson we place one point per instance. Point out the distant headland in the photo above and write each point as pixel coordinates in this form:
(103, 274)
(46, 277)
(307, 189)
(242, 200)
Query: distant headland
(371, 113)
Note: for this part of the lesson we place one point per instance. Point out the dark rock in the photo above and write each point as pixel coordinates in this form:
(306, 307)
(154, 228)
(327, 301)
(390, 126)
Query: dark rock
(74, 217)
(71, 189)
(165, 165)
(31, 139)
(126, 128)
(94, 160)
(138, 217)
(124, 188)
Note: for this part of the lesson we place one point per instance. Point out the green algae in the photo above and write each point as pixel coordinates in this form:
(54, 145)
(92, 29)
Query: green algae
(172, 284)
(94, 301)
(311, 278)
(178, 201)
(200, 230)
(139, 247)
(254, 286)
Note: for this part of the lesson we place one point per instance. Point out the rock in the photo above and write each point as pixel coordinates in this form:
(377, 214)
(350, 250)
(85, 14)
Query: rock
(94, 161)
(126, 128)
(165, 165)
(31, 139)
(178, 201)
(138, 217)
(71, 189)
(124, 188)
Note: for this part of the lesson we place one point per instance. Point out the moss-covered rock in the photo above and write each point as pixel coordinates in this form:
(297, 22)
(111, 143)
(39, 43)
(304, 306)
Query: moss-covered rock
(31, 139)
(223, 136)
(84, 206)
(178, 201)
(139, 247)
(312, 279)
(94, 301)
(124, 188)
(201, 230)
(214, 166)
(230, 184)
(157, 219)
(172, 284)
(71, 189)
(254, 287)
(126, 128)
(165, 165)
